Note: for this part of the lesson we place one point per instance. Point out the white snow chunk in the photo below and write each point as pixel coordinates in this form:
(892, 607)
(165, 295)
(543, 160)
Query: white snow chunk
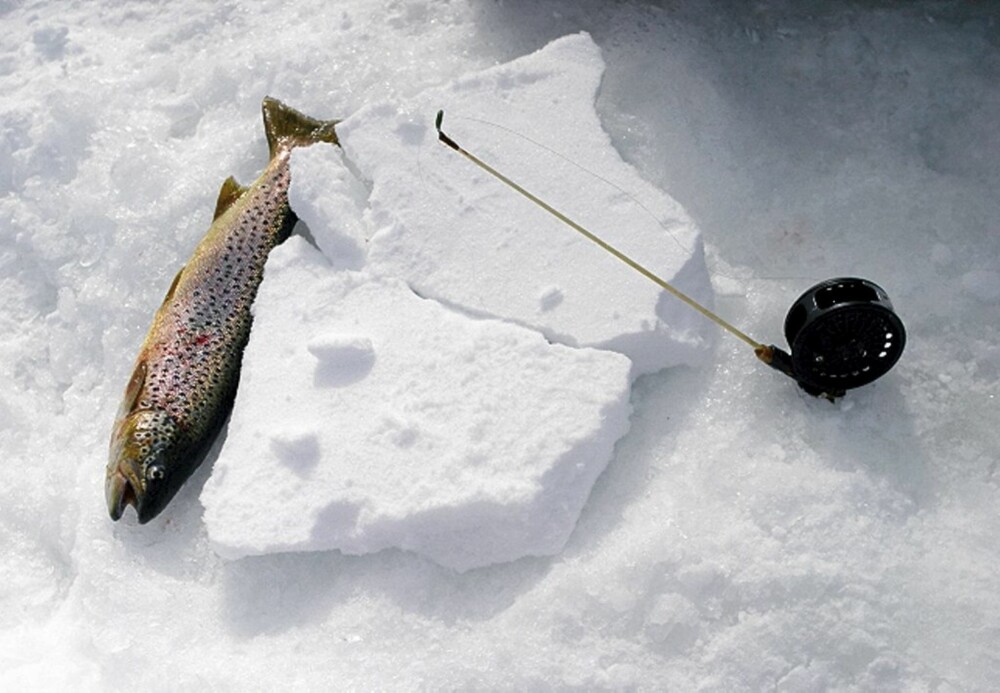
(550, 298)
(456, 234)
(370, 418)
(340, 348)
(342, 358)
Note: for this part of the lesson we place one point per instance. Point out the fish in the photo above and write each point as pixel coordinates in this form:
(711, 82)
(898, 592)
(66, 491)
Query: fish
(186, 373)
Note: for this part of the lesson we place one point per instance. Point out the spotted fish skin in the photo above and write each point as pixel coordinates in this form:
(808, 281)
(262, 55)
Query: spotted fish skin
(187, 370)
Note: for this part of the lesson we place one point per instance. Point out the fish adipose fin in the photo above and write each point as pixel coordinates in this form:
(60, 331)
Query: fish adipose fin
(285, 127)
(228, 194)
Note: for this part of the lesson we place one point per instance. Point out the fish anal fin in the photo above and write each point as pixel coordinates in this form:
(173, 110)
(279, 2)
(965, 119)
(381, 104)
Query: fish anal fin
(285, 127)
(228, 194)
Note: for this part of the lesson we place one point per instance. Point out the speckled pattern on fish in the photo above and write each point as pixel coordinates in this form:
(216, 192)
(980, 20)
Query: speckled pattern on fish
(187, 369)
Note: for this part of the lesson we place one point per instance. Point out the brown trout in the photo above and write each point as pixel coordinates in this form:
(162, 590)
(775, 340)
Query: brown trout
(188, 367)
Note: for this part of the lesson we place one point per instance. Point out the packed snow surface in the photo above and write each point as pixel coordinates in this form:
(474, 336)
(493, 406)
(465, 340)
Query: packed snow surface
(370, 418)
(742, 536)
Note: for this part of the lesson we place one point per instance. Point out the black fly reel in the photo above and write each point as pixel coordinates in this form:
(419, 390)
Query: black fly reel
(843, 334)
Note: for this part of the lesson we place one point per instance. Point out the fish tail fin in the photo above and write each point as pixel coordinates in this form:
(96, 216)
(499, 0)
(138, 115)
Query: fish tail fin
(285, 127)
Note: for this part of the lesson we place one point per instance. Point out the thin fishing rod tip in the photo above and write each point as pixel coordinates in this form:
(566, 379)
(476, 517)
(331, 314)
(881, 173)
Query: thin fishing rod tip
(437, 121)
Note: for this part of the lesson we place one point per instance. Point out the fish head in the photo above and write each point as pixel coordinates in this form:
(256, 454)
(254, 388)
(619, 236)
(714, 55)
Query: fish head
(140, 471)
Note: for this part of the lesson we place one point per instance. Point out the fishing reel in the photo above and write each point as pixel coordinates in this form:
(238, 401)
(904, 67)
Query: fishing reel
(843, 333)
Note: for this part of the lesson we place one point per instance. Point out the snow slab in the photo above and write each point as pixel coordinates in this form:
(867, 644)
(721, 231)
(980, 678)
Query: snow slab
(373, 381)
(457, 235)
(369, 418)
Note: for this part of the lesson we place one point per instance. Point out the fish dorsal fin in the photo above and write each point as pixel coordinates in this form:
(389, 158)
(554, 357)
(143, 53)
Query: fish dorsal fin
(285, 127)
(228, 194)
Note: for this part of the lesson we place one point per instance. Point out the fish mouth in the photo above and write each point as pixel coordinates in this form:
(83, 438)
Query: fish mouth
(120, 492)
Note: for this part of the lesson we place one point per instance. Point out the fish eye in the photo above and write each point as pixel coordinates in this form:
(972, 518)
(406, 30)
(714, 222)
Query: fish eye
(155, 472)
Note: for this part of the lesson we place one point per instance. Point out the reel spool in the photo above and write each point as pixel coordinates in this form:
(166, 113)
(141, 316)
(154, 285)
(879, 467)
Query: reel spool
(843, 334)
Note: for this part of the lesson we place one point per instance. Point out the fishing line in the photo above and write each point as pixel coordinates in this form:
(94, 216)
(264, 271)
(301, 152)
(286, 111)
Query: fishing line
(843, 332)
(657, 220)
(581, 167)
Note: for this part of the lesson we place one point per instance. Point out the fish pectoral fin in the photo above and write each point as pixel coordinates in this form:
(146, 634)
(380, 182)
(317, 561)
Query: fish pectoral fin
(133, 389)
(228, 194)
(286, 127)
(173, 286)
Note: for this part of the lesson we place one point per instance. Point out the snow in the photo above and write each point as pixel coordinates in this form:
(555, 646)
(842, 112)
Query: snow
(742, 536)
(369, 418)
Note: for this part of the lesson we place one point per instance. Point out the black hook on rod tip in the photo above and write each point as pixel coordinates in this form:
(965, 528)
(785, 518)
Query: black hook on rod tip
(443, 137)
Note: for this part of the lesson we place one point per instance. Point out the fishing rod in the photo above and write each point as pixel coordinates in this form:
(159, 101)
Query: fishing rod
(843, 333)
